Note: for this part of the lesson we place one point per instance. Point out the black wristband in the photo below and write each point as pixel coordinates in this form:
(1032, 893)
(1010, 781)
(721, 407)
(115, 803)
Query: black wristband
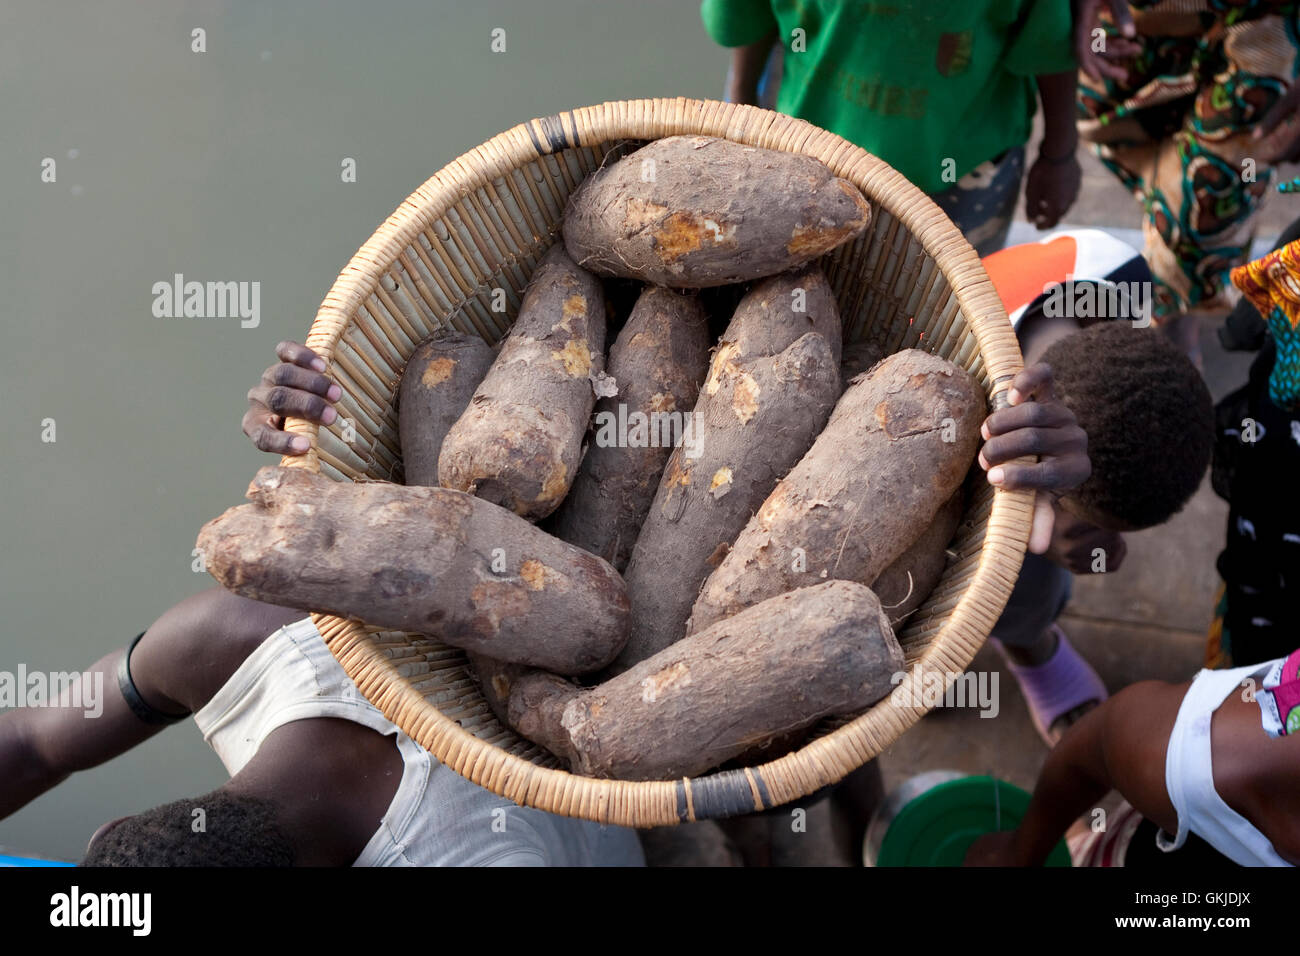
(139, 706)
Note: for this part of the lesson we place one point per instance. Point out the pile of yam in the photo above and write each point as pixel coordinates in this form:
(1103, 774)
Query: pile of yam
(666, 551)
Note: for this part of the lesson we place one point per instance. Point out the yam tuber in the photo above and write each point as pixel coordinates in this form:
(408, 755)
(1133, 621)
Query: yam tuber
(897, 446)
(519, 443)
(657, 362)
(697, 211)
(777, 667)
(772, 383)
(429, 560)
(440, 378)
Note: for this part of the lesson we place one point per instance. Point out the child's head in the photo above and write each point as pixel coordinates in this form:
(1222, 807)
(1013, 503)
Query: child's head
(1149, 421)
(230, 830)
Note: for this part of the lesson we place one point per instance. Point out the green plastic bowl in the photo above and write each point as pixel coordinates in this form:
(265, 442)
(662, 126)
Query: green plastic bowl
(933, 818)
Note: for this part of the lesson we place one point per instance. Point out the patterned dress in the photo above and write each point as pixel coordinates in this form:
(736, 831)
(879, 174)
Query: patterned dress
(1272, 284)
(1256, 459)
(1178, 132)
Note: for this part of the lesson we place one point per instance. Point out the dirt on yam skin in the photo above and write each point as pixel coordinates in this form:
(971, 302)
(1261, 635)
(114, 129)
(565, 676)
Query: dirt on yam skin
(519, 443)
(698, 211)
(420, 559)
(777, 667)
(658, 362)
(437, 384)
(772, 383)
(897, 446)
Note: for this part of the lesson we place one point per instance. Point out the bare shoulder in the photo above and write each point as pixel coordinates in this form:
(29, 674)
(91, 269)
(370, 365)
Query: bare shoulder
(1132, 709)
(197, 644)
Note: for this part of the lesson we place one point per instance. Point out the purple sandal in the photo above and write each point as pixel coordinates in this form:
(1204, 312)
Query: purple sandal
(1053, 689)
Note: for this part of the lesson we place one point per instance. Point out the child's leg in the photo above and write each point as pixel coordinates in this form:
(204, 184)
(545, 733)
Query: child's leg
(982, 203)
(1025, 627)
(1059, 685)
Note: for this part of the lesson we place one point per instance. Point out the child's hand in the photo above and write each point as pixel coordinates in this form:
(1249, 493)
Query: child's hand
(1036, 424)
(1102, 63)
(1051, 189)
(294, 386)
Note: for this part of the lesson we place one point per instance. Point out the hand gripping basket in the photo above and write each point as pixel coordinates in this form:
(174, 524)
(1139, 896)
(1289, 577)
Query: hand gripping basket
(481, 224)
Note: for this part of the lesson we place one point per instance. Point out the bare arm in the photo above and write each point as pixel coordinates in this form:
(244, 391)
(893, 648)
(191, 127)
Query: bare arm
(41, 746)
(190, 651)
(181, 661)
(747, 64)
(1119, 745)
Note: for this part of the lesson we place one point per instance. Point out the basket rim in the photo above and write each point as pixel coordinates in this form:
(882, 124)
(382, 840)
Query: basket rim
(830, 757)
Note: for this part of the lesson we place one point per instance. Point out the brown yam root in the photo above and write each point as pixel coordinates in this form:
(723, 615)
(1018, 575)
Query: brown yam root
(904, 585)
(495, 680)
(770, 388)
(428, 560)
(696, 211)
(772, 669)
(519, 443)
(897, 446)
(658, 362)
(440, 378)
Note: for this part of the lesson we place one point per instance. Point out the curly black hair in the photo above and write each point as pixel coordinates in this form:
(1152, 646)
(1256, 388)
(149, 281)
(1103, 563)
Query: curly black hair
(235, 830)
(1149, 420)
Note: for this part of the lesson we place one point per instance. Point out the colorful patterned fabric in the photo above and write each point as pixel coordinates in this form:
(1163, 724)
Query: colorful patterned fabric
(1178, 132)
(1279, 697)
(1272, 284)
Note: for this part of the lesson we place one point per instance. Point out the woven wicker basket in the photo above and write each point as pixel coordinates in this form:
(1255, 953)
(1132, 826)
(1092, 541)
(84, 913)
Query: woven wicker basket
(481, 224)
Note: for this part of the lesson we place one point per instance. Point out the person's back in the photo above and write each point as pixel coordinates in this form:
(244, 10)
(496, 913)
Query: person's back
(318, 776)
(1217, 758)
(435, 817)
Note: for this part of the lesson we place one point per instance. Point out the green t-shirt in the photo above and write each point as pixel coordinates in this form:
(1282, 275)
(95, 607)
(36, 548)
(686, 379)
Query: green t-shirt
(917, 82)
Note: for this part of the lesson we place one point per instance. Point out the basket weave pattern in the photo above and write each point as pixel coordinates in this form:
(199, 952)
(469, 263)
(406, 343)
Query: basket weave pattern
(481, 224)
